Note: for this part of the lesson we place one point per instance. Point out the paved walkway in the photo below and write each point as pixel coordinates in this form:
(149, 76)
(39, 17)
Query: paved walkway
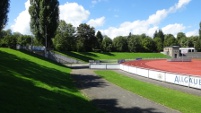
(112, 98)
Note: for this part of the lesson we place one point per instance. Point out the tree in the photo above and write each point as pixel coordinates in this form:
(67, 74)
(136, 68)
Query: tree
(200, 31)
(155, 34)
(191, 41)
(120, 44)
(65, 37)
(4, 35)
(158, 44)
(24, 40)
(107, 44)
(180, 35)
(183, 42)
(4, 9)
(99, 37)
(9, 41)
(130, 34)
(170, 40)
(161, 35)
(148, 44)
(86, 38)
(181, 39)
(197, 43)
(134, 43)
(44, 20)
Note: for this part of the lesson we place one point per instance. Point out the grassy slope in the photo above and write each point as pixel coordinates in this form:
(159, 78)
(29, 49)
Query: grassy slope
(183, 102)
(32, 85)
(86, 56)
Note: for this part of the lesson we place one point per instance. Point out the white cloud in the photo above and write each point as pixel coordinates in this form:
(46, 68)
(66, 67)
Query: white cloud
(73, 13)
(181, 3)
(173, 29)
(95, 1)
(22, 21)
(192, 33)
(157, 17)
(70, 12)
(96, 22)
(148, 26)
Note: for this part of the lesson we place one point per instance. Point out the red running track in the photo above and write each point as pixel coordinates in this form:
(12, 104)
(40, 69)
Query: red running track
(190, 68)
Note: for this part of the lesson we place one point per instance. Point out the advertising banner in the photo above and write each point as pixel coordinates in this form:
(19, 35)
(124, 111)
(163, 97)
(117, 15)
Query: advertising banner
(157, 75)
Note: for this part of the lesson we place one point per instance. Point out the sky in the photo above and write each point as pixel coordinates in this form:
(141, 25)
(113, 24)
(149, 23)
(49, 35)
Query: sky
(118, 17)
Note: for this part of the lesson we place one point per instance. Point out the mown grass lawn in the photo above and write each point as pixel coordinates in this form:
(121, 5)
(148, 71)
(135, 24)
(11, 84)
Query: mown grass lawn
(32, 85)
(86, 56)
(186, 103)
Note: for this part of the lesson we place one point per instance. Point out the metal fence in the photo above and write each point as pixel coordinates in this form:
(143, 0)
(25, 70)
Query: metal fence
(62, 59)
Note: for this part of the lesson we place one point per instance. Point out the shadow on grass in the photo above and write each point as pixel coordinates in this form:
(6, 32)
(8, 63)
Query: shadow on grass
(88, 54)
(107, 53)
(40, 57)
(78, 56)
(27, 87)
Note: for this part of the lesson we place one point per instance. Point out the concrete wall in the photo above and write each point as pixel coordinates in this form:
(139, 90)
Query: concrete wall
(194, 55)
(104, 66)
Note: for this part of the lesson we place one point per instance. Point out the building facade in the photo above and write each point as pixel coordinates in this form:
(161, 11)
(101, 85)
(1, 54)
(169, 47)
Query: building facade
(172, 51)
(176, 51)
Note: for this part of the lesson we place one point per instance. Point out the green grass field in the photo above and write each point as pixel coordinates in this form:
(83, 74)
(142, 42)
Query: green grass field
(186, 103)
(33, 85)
(86, 56)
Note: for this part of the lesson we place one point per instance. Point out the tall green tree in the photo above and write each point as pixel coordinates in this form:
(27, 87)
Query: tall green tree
(65, 37)
(129, 35)
(134, 44)
(181, 39)
(44, 20)
(120, 44)
(155, 34)
(8, 39)
(198, 42)
(86, 40)
(4, 8)
(158, 44)
(25, 40)
(99, 37)
(191, 41)
(169, 40)
(5, 36)
(181, 35)
(200, 31)
(148, 44)
(161, 35)
(107, 44)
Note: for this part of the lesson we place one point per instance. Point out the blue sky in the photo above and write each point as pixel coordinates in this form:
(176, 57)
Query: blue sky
(118, 17)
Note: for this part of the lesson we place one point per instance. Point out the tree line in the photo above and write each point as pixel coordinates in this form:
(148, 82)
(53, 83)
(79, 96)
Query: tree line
(56, 34)
(84, 38)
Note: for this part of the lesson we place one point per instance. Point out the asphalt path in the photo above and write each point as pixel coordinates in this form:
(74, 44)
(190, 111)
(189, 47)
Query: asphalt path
(112, 98)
